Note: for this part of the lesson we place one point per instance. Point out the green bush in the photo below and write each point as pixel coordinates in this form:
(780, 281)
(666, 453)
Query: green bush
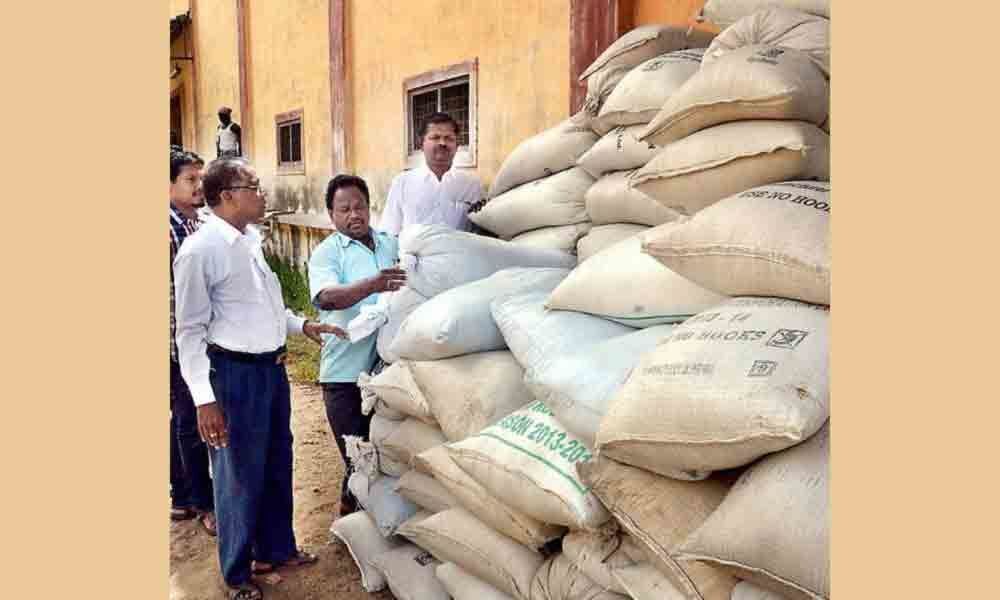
(294, 285)
(303, 354)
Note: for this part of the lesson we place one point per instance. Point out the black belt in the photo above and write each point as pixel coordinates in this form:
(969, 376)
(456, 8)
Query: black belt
(275, 356)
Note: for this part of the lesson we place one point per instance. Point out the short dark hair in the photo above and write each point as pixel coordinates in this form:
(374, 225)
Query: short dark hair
(345, 181)
(220, 174)
(180, 159)
(225, 110)
(437, 118)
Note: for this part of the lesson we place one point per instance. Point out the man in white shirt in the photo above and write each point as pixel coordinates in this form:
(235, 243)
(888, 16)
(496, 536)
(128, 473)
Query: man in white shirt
(231, 329)
(228, 136)
(434, 193)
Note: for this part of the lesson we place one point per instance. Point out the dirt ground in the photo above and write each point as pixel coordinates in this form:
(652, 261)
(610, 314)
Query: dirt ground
(194, 565)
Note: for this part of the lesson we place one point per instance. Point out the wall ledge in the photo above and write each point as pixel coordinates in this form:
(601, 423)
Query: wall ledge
(313, 220)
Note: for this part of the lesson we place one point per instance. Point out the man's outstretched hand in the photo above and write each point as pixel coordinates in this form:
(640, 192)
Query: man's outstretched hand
(314, 329)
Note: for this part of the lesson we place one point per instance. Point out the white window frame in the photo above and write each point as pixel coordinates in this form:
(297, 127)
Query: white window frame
(283, 119)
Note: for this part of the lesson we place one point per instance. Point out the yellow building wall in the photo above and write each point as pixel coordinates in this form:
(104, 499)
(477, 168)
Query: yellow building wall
(523, 86)
(289, 70)
(183, 85)
(178, 6)
(214, 31)
(674, 12)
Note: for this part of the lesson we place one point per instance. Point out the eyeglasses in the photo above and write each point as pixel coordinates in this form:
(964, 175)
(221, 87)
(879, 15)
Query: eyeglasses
(255, 188)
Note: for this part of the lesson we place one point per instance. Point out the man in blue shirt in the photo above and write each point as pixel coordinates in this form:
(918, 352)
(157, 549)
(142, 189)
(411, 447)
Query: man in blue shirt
(348, 270)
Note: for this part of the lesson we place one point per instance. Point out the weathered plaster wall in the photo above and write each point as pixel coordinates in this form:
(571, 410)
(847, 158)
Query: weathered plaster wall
(523, 55)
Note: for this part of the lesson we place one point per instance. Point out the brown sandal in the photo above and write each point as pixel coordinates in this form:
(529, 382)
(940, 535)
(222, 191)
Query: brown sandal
(300, 559)
(182, 513)
(244, 591)
(262, 568)
(213, 530)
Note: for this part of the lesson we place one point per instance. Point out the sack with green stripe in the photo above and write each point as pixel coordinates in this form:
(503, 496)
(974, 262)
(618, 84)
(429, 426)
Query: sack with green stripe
(625, 285)
(528, 460)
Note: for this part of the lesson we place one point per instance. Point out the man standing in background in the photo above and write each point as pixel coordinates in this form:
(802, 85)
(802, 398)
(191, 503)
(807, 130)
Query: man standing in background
(190, 482)
(433, 193)
(228, 136)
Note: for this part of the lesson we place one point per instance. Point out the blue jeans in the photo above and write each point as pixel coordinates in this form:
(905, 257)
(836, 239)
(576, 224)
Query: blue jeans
(253, 474)
(190, 483)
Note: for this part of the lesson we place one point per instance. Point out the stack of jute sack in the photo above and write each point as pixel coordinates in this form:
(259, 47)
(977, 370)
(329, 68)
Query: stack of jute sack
(648, 419)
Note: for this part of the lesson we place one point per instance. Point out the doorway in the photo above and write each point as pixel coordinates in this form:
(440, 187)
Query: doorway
(176, 124)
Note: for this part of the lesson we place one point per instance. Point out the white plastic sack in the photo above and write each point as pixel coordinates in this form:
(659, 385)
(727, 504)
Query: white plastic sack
(536, 335)
(559, 237)
(776, 26)
(463, 585)
(604, 236)
(421, 514)
(546, 202)
(618, 150)
(639, 96)
(379, 431)
(527, 460)
(457, 536)
(732, 384)
(598, 554)
(371, 317)
(438, 258)
(362, 456)
(726, 12)
(646, 42)
(425, 491)
(380, 499)
(559, 578)
(458, 321)
(381, 428)
(412, 437)
(753, 82)
(727, 159)
(409, 571)
(612, 200)
(659, 513)
(745, 590)
(623, 284)
(579, 386)
(394, 386)
(599, 87)
(364, 541)
(773, 528)
(467, 393)
(545, 154)
(400, 304)
(643, 582)
(786, 253)
(474, 498)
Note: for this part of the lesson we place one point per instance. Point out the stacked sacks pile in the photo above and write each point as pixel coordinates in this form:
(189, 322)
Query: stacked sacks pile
(536, 198)
(750, 116)
(648, 419)
(630, 50)
(649, 74)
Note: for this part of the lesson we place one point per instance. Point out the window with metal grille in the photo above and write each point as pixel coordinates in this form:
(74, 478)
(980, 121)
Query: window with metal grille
(451, 90)
(288, 128)
(451, 98)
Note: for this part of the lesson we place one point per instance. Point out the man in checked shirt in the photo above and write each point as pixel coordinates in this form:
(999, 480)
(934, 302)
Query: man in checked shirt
(190, 483)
